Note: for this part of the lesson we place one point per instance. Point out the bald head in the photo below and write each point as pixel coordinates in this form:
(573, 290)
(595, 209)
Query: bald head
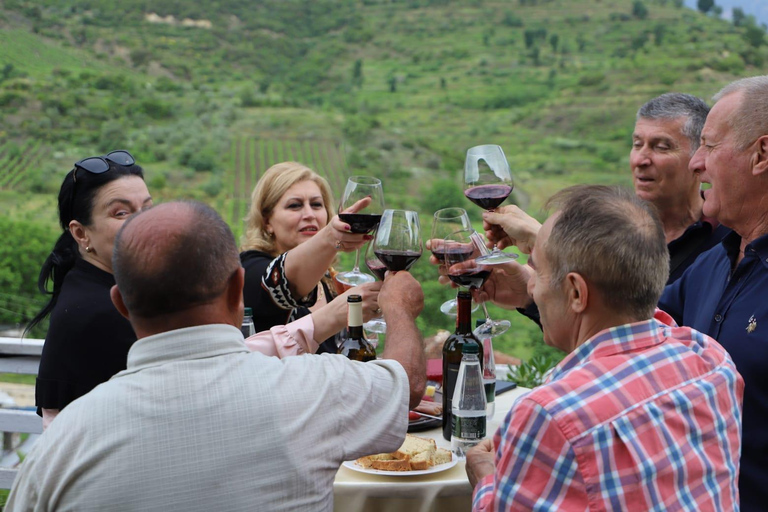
(173, 257)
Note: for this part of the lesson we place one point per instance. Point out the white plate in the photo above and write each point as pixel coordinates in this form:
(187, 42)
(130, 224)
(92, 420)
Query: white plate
(434, 469)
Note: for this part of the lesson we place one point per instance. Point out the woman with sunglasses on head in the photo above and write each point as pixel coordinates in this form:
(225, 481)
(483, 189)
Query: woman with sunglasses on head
(291, 240)
(87, 340)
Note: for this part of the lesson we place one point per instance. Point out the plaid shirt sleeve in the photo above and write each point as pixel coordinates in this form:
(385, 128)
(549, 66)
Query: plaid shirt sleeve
(536, 468)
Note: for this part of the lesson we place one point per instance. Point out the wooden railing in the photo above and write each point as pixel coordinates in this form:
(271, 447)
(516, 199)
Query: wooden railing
(18, 356)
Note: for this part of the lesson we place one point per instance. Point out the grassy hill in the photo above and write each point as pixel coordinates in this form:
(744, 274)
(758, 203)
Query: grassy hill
(208, 94)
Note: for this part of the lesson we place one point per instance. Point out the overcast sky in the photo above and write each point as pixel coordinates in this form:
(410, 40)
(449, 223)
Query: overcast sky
(757, 8)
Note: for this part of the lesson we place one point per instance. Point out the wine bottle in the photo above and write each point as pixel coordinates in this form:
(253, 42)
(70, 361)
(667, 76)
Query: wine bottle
(468, 413)
(452, 355)
(354, 345)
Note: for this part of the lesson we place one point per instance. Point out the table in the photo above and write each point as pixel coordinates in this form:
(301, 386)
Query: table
(440, 492)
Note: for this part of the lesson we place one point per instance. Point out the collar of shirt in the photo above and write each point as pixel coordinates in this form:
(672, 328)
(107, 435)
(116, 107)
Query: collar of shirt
(758, 248)
(198, 342)
(614, 340)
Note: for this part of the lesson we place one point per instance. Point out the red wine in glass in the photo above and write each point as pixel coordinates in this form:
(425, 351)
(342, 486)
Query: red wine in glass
(454, 254)
(469, 277)
(377, 267)
(488, 197)
(360, 223)
(397, 260)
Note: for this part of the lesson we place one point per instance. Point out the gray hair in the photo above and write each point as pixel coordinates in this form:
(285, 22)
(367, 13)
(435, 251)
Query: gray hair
(615, 241)
(675, 105)
(750, 120)
(170, 267)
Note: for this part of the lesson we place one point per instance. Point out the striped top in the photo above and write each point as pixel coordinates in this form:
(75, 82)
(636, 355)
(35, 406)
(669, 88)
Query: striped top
(642, 417)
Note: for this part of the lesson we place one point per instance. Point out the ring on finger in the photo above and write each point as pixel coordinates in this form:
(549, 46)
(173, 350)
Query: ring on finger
(377, 311)
(339, 245)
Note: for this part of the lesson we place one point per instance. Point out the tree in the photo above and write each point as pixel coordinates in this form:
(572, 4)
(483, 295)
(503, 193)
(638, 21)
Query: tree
(20, 264)
(705, 5)
(554, 41)
(392, 84)
(357, 73)
(639, 10)
(738, 16)
(755, 36)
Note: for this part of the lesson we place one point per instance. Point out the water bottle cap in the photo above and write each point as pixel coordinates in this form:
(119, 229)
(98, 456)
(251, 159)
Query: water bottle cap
(470, 348)
(248, 312)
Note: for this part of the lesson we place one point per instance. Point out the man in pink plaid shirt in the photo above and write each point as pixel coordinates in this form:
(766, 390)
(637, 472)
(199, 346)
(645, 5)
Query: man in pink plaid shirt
(640, 415)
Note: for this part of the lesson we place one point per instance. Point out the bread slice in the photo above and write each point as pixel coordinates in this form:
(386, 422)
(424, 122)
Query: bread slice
(416, 453)
(391, 465)
(422, 460)
(414, 445)
(442, 456)
(368, 460)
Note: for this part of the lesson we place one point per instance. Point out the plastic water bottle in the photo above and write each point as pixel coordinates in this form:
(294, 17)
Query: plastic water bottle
(489, 374)
(468, 405)
(248, 329)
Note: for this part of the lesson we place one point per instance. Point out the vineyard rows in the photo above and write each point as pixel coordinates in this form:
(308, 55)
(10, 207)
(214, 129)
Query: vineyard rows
(15, 160)
(251, 157)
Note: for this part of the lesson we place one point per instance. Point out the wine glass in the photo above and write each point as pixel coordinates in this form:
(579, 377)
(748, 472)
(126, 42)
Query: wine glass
(460, 247)
(487, 183)
(445, 222)
(359, 187)
(398, 240)
(377, 268)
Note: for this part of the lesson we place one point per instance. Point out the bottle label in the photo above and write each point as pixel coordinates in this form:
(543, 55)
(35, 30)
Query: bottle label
(468, 427)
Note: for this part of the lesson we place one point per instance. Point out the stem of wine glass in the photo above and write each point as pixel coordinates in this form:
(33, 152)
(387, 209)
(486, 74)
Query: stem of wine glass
(485, 310)
(356, 268)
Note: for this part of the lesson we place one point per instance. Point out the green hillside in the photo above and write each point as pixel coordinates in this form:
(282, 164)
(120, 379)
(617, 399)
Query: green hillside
(208, 94)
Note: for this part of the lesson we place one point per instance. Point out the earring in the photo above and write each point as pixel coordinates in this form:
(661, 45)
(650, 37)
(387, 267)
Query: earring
(88, 249)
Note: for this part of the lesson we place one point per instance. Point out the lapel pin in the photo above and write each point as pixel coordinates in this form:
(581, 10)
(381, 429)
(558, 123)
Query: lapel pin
(752, 325)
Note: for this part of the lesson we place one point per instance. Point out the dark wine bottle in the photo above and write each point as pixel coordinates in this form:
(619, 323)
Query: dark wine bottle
(452, 355)
(354, 345)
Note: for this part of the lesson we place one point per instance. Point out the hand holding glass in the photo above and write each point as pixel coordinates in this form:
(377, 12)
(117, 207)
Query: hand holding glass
(488, 183)
(360, 187)
(460, 247)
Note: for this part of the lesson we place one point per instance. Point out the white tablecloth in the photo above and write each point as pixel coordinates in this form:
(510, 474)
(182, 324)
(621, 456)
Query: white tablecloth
(445, 491)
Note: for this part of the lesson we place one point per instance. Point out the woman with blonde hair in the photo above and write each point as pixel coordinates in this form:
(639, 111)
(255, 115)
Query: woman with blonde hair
(291, 241)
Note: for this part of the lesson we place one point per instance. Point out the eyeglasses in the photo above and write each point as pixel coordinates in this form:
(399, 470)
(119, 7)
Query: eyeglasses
(100, 164)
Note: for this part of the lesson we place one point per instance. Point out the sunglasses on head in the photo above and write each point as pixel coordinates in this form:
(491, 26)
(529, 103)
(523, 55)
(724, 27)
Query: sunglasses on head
(100, 164)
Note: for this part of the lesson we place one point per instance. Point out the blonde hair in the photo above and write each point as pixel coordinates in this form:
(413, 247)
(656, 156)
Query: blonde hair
(268, 191)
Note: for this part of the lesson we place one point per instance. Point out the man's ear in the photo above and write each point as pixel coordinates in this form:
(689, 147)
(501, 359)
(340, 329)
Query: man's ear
(117, 300)
(235, 291)
(577, 292)
(760, 165)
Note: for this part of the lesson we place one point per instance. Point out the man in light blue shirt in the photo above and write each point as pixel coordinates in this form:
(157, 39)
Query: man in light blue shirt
(197, 421)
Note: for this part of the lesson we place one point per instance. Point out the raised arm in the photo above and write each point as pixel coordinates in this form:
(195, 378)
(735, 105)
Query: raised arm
(401, 299)
(306, 263)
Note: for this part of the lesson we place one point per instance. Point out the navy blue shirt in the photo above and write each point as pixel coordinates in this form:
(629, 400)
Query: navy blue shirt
(732, 307)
